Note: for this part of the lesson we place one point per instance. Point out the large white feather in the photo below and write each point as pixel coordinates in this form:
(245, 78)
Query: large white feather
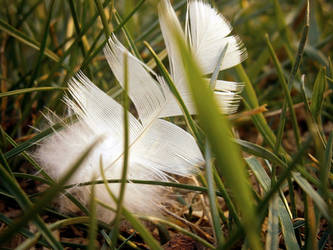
(157, 148)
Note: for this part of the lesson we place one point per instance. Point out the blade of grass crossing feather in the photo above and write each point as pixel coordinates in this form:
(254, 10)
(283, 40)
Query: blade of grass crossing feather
(217, 129)
(217, 68)
(148, 238)
(318, 95)
(288, 99)
(280, 209)
(32, 211)
(4, 26)
(125, 158)
(28, 90)
(13, 187)
(92, 220)
(190, 122)
(212, 198)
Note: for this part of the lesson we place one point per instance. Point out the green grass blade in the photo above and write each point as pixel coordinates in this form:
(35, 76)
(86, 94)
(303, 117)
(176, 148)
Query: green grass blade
(92, 220)
(217, 128)
(212, 198)
(105, 22)
(28, 90)
(289, 101)
(125, 158)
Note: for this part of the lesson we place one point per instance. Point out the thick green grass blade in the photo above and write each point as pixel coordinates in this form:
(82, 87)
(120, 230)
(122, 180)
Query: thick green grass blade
(32, 211)
(28, 90)
(217, 128)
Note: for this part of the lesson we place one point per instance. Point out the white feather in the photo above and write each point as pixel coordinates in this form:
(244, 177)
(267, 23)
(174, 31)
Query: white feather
(207, 32)
(208, 35)
(157, 148)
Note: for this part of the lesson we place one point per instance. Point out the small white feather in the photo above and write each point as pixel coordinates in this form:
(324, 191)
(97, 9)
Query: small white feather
(208, 35)
(207, 32)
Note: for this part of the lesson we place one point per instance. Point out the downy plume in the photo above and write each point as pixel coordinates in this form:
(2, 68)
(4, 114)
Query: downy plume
(157, 148)
(207, 33)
